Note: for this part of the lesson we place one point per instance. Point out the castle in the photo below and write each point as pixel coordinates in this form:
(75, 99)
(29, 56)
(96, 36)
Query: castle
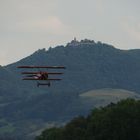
(75, 42)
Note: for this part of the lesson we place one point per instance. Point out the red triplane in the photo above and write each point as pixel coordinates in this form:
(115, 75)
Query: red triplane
(41, 75)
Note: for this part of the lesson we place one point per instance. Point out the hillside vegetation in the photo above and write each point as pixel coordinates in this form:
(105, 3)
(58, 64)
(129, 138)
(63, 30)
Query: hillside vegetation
(119, 121)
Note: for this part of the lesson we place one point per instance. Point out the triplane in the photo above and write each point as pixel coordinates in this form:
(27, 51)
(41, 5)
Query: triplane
(41, 75)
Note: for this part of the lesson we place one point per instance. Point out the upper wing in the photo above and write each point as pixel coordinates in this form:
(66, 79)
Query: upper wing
(41, 79)
(49, 67)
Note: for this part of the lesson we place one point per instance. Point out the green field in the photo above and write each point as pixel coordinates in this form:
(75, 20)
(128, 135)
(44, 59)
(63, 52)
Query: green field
(104, 96)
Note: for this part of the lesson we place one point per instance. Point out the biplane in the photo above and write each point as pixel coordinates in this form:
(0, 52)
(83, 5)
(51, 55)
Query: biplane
(42, 77)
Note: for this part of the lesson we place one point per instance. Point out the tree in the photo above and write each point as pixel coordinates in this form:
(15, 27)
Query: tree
(119, 121)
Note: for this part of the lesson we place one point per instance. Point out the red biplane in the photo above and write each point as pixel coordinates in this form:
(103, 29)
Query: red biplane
(41, 75)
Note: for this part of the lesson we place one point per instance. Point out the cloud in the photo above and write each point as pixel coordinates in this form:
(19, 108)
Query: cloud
(52, 25)
(132, 28)
(99, 8)
(3, 57)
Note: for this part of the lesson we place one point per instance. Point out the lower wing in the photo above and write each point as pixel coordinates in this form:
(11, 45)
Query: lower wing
(42, 72)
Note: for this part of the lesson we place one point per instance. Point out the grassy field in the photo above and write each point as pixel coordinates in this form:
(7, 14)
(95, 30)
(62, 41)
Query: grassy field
(101, 97)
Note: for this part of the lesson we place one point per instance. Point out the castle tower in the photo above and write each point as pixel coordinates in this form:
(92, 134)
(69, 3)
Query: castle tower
(75, 39)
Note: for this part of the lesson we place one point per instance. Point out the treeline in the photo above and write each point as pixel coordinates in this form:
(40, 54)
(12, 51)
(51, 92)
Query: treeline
(119, 121)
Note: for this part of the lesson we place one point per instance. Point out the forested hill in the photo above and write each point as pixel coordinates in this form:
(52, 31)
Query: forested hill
(89, 65)
(25, 108)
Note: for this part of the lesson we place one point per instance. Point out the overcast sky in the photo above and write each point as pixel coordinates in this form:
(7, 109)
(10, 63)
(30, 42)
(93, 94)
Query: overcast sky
(29, 25)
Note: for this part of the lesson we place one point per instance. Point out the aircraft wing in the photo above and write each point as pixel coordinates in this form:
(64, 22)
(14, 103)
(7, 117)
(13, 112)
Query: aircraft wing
(49, 67)
(31, 75)
(41, 79)
(53, 73)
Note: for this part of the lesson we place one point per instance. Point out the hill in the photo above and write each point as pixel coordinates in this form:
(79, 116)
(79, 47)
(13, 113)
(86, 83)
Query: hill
(89, 66)
(25, 109)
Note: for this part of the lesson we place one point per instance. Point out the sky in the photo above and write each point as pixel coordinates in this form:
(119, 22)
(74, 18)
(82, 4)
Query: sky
(29, 25)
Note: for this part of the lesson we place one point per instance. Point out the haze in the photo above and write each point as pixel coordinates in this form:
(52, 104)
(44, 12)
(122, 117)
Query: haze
(29, 25)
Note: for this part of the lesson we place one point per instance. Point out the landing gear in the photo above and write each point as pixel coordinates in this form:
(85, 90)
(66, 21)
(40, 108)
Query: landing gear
(43, 84)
